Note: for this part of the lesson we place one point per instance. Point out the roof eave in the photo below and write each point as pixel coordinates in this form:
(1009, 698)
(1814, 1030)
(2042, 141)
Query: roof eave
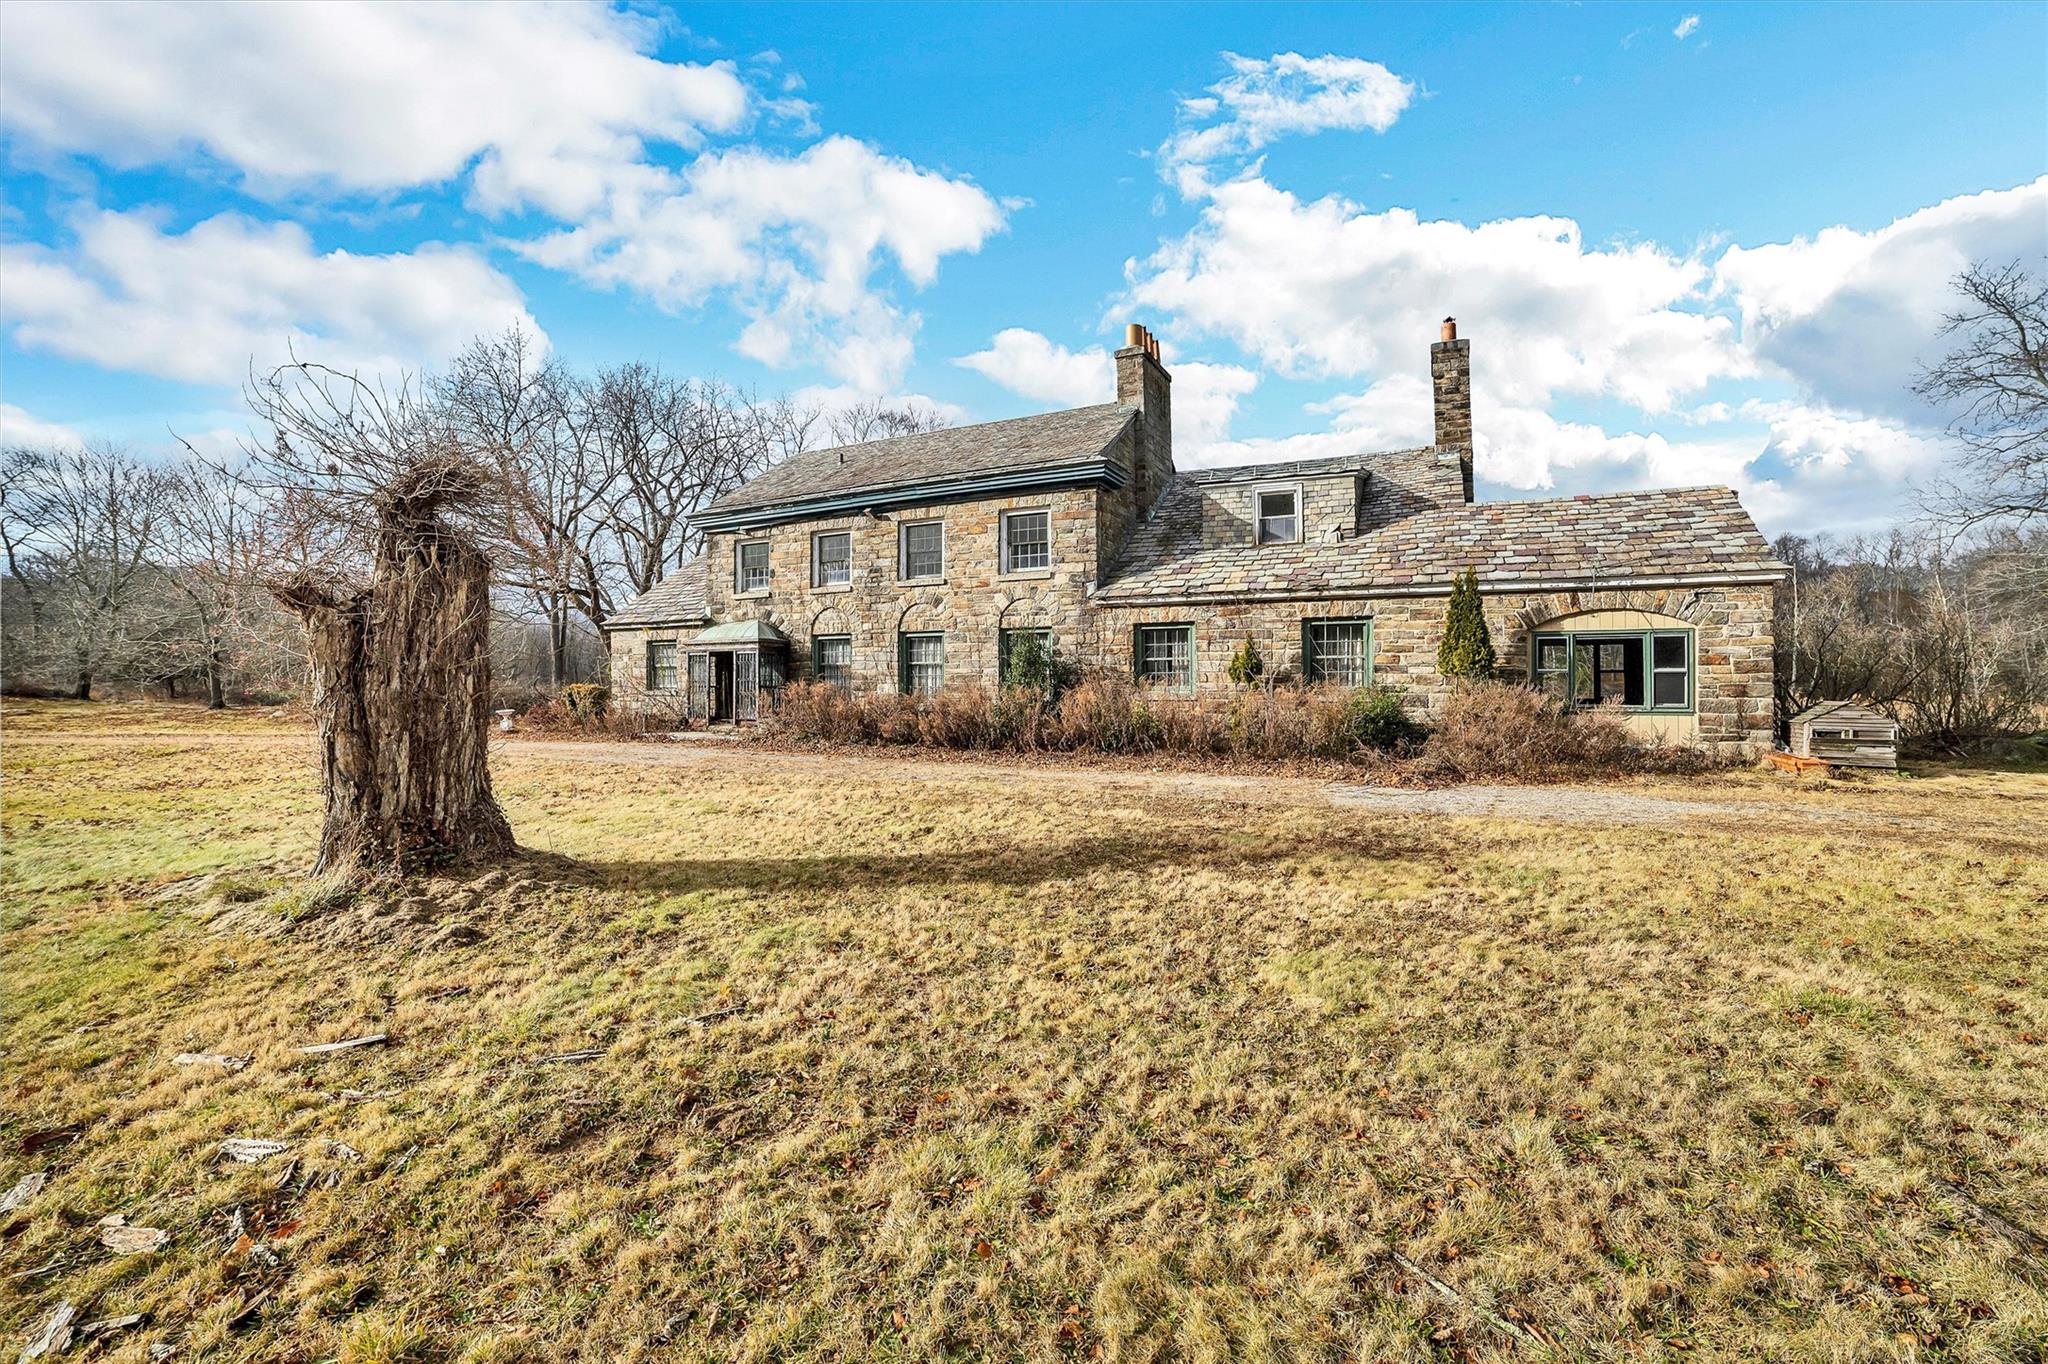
(1094, 469)
(1563, 583)
(664, 623)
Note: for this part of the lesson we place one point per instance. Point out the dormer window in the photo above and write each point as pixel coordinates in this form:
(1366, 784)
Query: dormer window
(1279, 515)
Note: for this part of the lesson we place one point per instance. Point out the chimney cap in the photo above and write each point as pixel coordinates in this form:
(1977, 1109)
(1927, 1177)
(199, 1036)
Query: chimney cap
(1450, 329)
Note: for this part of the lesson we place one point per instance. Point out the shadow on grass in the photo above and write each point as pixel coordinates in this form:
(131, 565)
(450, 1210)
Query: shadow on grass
(994, 865)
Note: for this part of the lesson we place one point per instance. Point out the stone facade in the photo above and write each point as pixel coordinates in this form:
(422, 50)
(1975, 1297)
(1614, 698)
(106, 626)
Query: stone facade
(1133, 543)
(1730, 716)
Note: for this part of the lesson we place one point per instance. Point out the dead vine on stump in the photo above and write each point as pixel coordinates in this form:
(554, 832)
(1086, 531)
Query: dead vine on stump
(402, 679)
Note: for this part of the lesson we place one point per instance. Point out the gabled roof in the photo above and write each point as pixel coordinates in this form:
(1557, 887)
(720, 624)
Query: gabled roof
(1075, 442)
(1664, 535)
(677, 599)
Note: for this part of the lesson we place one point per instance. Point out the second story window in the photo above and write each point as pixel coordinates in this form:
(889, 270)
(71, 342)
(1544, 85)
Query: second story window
(832, 559)
(1027, 541)
(750, 566)
(923, 550)
(1279, 511)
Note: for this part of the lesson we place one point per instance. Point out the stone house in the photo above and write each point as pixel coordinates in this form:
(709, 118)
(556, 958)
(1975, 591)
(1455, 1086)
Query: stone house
(913, 563)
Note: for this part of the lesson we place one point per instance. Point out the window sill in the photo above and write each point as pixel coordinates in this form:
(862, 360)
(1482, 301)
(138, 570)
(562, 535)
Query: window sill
(831, 589)
(755, 595)
(1025, 575)
(937, 580)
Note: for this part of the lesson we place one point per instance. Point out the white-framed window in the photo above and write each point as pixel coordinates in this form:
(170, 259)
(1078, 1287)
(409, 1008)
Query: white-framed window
(1338, 651)
(1027, 541)
(831, 558)
(832, 659)
(1163, 656)
(1278, 513)
(661, 665)
(750, 566)
(922, 550)
(923, 662)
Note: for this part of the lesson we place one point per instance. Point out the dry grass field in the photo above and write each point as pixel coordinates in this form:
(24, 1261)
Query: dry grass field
(900, 1060)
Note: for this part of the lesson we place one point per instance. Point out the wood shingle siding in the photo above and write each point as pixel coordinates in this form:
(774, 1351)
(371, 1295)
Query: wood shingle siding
(1846, 734)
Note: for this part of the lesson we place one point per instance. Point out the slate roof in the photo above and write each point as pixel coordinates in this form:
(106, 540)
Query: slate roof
(677, 599)
(1609, 538)
(1297, 468)
(1047, 440)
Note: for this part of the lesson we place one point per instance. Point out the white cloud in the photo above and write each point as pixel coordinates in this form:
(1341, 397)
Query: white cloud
(18, 427)
(1031, 365)
(1687, 26)
(1851, 316)
(1205, 395)
(1330, 288)
(796, 241)
(1822, 441)
(550, 105)
(202, 305)
(561, 110)
(1264, 99)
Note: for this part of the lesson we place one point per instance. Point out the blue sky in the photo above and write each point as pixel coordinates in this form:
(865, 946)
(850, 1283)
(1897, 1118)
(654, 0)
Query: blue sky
(1691, 244)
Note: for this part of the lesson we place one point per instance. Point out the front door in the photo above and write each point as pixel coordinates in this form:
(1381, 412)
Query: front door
(721, 687)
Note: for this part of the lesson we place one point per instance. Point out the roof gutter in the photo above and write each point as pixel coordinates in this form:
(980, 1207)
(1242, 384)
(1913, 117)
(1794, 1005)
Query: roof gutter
(665, 623)
(1493, 587)
(1091, 470)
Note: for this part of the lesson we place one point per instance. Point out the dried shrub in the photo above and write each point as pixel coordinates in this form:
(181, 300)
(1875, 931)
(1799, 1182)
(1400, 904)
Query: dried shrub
(1489, 730)
(587, 701)
(1107, 714)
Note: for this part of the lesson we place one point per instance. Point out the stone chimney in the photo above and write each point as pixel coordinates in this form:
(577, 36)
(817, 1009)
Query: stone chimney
(1450, 381)
(1142, 382)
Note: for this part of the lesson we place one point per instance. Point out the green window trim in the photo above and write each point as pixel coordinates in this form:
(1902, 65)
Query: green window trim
(1008, 633)
(1316, 632)
(1571, 675)
(1140, 655)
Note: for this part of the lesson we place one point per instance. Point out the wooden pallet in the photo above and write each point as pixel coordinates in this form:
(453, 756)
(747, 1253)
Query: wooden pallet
(1796, 765)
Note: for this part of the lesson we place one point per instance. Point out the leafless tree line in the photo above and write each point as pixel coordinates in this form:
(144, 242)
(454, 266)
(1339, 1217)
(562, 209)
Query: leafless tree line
(1952, 641)
(128, 571)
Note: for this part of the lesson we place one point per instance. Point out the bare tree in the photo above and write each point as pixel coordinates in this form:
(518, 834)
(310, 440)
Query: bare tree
(213, 543)
(874, 419)
(82, 529)
(519, 411)
(1995, 382)
(667, 447)
(377, 512)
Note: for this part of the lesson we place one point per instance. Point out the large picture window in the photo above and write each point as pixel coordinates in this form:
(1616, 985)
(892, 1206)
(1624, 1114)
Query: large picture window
(924, 549)
(661, 665)
(750, 566)
(1027, 541)
(1164, 657)
(1639, 670)
(832, 659)
(924, 663)
(1338, 651)
(832, 559)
